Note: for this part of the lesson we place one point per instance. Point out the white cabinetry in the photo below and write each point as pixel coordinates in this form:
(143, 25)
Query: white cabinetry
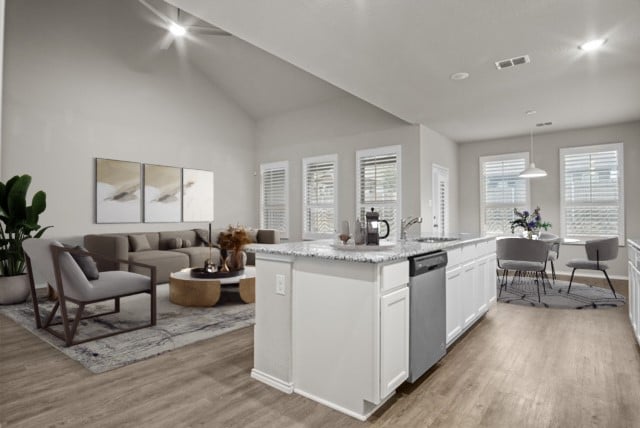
(350, 332)
(471, 286)
(394, 340)
(634, 290)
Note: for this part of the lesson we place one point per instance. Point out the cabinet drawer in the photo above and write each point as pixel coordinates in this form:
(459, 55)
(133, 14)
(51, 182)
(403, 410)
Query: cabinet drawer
(394, 275)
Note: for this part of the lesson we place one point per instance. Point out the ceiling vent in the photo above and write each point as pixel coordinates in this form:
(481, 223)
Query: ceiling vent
(512, 62)
(544, 124)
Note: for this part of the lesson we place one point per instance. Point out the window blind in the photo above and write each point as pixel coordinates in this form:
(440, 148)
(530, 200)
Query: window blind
(592, 192)
(501, 191)
(379, 184)
(274, 200)
(319, 196)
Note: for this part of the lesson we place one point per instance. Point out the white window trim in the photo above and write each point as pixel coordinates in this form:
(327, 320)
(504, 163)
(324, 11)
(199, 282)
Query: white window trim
(619, 147)
(397, 150)
(507, 156)
(269, 166)
(305, 164)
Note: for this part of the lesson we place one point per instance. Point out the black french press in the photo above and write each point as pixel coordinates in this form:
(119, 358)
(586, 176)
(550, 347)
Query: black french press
(373, 228)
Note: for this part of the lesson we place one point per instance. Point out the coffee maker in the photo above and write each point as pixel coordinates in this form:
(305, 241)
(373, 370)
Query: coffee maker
(373, 228)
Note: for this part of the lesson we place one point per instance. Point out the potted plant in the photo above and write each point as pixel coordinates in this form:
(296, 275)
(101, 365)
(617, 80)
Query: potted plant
(17, 223)
(530, 222)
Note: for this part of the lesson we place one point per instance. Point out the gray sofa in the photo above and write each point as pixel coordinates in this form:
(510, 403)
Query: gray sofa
(162, 252)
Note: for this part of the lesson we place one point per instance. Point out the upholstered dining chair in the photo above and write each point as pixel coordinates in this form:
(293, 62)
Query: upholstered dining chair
(55, 264)
(554, 250)
(522, 255)
(598, 251)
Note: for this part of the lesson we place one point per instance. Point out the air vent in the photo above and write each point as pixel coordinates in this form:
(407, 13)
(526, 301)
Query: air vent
(512, 62)
(544, 124)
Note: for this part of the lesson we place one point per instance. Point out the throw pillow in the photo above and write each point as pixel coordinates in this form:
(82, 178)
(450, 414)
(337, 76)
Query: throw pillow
(174, 243)
(139, 243)
(186, 243)
(252, 234)
(86, 263)
(203, 235)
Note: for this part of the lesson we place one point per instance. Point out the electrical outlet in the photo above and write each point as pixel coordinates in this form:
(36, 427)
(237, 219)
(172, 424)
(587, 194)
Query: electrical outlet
(280, 284)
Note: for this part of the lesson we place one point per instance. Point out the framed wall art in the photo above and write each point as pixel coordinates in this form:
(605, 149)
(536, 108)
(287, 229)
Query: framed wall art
(118, 191)
(162, 194)
(197, 195)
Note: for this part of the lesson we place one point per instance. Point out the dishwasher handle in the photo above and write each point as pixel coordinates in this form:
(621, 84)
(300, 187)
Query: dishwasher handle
(419, 265)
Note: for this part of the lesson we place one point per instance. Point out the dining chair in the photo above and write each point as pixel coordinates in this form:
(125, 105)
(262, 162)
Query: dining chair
(554, 250)
(55, 264)
(523, 255)
(598, 251)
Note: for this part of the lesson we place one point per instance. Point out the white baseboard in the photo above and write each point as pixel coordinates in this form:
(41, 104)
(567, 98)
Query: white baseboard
(273, 382)
(591, 274)
(334, 406)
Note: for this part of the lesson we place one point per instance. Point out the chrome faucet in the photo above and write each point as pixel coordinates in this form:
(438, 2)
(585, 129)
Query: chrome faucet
(406, 223)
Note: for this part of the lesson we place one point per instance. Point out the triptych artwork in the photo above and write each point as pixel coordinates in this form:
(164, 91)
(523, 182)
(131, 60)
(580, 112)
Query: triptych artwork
(168, 194)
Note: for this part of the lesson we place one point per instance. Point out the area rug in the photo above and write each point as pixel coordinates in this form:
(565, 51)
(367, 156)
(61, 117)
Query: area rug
(176, 326)
(524, 292)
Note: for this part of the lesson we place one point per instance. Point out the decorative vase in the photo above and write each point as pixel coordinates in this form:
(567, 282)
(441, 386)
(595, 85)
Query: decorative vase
(236, 260)
(14, 289)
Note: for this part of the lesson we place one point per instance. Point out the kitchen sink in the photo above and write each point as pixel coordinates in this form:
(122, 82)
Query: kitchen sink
(432, 239)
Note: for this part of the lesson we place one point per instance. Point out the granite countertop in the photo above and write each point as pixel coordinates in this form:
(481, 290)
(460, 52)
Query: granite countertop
(635, 242)
(329, 249)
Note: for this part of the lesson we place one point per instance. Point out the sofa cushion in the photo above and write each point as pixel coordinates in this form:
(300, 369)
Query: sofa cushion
(252, 234)
(139, 243)
(184, 235)
(186, 243)
(197, 255)
(164, 261)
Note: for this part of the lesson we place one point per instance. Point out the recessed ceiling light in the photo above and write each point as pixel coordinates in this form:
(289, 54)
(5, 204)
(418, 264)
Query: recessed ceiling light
(592, 44)
(459, 76)
(177, 30)
(530, 112)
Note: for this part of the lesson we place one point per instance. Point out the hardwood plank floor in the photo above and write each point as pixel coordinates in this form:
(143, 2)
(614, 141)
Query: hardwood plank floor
(519, 367)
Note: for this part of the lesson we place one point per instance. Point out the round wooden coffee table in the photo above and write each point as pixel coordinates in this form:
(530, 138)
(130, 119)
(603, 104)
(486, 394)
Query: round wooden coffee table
(185, 290)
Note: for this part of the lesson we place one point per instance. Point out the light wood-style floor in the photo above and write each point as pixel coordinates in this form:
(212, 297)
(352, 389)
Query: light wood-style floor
(519, 367)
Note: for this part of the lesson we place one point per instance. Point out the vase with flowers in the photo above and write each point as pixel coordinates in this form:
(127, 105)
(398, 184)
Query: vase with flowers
(531, 222)
(233, 241)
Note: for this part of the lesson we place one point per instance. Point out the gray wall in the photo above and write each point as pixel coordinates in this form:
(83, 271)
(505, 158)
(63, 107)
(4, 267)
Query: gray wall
(85, 80)
(341, 126)
(545, 192)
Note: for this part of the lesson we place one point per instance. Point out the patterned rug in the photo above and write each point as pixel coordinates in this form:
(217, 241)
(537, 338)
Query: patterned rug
(176, 326)
(524, 292)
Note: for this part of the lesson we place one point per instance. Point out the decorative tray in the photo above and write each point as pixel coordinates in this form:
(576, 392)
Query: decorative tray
(353, 247)
(201, 273)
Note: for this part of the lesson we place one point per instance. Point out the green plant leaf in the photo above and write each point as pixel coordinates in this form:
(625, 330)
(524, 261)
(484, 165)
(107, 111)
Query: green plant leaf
(17, 202)
(38, 204)
(41, 231)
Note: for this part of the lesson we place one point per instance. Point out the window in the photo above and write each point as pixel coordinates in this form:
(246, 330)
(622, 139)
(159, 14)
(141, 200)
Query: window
(501, 190)
(592, 192)
(274, 197)
(320, 196)
(378, 184)
(440, 198)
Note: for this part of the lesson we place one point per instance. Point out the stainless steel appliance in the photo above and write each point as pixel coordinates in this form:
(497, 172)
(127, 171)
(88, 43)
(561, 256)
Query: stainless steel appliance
(373, 228)
(427, 330)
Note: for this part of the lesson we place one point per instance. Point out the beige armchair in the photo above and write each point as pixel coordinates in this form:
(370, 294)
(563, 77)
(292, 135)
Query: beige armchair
(54, 262)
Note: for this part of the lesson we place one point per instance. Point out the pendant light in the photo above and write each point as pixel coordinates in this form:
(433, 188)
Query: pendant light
(532, 171)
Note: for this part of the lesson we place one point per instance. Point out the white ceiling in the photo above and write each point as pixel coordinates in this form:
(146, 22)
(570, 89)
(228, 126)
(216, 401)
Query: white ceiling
(398, 55)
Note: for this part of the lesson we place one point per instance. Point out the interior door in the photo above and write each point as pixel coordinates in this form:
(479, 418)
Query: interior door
(440, 198)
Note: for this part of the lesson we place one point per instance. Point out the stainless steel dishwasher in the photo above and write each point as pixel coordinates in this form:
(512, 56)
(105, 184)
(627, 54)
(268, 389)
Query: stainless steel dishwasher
(427, 330)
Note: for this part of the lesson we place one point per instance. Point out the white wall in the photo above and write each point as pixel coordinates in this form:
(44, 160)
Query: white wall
(545, 192)
(341, 126)
(84, 80)
(435, 148)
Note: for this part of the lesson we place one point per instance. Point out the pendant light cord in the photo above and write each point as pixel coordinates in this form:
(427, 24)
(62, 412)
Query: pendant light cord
(531, 134)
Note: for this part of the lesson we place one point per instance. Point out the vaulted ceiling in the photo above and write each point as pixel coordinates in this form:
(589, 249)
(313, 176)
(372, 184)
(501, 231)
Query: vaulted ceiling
(399, 56)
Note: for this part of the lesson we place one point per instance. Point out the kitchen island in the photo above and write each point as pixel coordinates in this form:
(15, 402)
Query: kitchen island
(332, 323)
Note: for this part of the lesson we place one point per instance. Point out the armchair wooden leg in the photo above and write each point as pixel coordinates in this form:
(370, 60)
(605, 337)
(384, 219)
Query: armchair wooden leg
(76, 321)
(68, 338)
(153, 305)
(571, 280)
(34, 297)
(610, 285)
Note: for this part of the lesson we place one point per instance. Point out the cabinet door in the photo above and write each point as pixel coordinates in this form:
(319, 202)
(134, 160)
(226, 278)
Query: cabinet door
(632, 296)
(482, 300)
(454, 307)
(468, 294)
(394, 340)
(490, 281)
